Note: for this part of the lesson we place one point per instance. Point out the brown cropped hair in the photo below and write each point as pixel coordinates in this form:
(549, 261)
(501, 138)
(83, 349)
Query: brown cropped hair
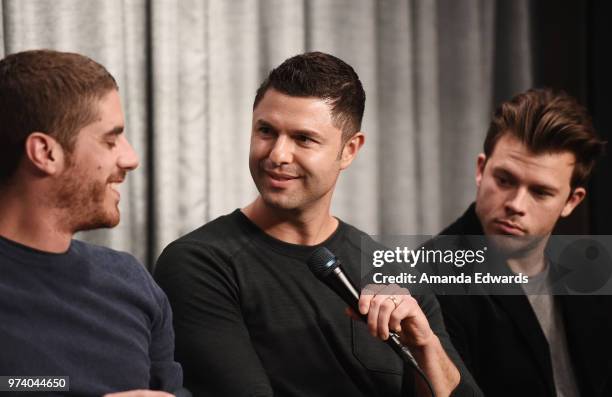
(323, 76)
(46, 91)
(547, 121)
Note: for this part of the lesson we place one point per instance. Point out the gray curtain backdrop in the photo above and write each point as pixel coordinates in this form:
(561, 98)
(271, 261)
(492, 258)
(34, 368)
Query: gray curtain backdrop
(188, 71)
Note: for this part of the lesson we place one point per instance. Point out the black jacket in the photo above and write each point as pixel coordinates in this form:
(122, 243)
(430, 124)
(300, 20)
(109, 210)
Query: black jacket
(503, 346)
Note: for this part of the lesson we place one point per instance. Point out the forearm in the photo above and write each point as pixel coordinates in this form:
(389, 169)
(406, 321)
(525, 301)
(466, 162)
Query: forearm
(437, 366)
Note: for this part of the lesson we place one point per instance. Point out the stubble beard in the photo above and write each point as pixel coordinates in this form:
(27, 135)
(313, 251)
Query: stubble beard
(83, 204)
(507, 245)
(516, 246)
(286, 201)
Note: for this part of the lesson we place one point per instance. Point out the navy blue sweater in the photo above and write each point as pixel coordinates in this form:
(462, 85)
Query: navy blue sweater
(92, 314)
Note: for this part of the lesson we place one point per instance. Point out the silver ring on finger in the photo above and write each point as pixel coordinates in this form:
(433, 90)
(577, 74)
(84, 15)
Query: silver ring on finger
(394, 300)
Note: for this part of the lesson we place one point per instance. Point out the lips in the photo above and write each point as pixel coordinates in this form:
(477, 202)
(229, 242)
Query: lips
(507, 227)
(115, 188)
(114, 182)
(280, 177)
(280, 180)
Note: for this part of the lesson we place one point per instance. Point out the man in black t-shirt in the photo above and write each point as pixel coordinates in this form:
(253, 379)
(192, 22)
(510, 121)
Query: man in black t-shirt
(250, 319)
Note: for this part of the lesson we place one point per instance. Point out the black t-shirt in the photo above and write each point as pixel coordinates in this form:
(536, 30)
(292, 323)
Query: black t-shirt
(252, 320)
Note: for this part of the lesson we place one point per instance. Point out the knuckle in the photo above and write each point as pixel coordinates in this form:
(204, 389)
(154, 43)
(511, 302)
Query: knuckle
(395, 316)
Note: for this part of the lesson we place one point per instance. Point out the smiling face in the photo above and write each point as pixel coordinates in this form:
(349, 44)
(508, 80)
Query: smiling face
(99, 162)
(294, 157)
(521, 195)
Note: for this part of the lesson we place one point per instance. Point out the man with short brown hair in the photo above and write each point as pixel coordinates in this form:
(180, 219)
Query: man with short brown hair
(70, 308)
(538, 154)
(250, 318)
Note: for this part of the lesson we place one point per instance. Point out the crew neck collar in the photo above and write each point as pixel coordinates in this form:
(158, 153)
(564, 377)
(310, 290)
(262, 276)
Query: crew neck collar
(20, 251)
(298, 251)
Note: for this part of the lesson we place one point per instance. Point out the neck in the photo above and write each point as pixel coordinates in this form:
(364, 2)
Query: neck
(531, 263)
(304, 227)
(25, 218)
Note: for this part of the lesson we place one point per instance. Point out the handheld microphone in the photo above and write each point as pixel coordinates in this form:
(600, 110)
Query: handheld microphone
(326, 267)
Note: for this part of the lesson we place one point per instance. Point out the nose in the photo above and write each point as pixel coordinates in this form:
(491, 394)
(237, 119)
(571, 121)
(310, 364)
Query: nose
(282, 151)
(517, 201)
(128, 159)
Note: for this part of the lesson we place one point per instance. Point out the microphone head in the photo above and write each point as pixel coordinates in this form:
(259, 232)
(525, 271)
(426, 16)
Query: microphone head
(322, 262)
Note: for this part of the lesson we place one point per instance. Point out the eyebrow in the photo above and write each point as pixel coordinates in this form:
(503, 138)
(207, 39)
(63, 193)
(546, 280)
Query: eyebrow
(309, 133)
(507, 173)
(264, 123)
(504, 172)
(115, 131)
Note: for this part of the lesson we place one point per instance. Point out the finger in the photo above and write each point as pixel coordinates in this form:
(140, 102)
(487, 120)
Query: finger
(415, 327)
(367, 293)
(392, 295)
(405, 309)
(380, 310)
(400, 294)
(384, 314)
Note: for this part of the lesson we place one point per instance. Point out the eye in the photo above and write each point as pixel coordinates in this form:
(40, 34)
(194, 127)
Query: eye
(502, 180)
(112, 143)
(540, 194)
(304, 140)
(264, 130)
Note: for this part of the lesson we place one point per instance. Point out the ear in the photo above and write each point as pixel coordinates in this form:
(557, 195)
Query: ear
(350, 149)
(481, 161)
(574, 199)
(44, 153)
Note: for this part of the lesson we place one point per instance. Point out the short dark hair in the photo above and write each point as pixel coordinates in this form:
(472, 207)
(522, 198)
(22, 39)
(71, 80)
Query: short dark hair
(320, 75)
(46, 91)
(549, 121)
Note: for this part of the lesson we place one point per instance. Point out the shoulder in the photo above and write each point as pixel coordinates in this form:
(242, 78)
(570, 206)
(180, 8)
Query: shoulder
(121, 269)
(105, 257)
(210, 247)
(357, 239)
(226, 233)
